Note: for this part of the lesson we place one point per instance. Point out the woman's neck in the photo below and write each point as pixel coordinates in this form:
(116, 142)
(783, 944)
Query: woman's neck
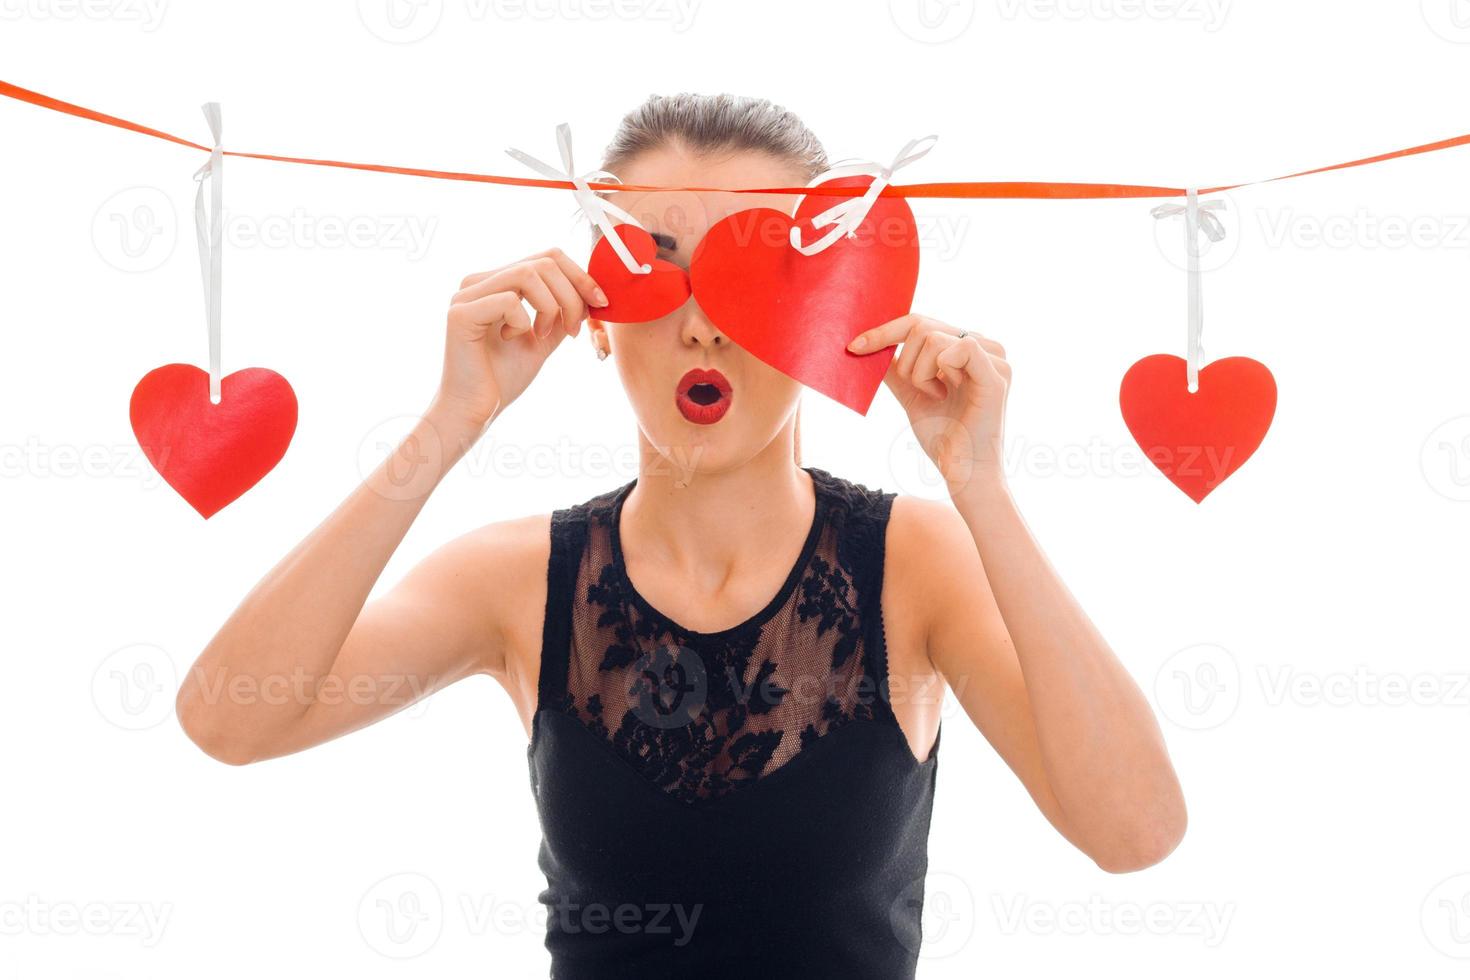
(709, 527)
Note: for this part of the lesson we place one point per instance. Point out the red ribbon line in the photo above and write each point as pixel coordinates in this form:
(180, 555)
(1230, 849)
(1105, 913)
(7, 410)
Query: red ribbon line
(961, 189)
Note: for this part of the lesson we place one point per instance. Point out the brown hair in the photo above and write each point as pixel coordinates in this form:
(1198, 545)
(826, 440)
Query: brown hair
(717, 124)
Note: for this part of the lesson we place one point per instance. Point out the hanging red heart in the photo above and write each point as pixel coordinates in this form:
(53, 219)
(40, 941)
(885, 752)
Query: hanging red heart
(1199, 439)
(211, 454)
(798, 312)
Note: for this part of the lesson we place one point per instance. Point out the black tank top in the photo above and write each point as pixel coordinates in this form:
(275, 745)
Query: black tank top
(740, 803)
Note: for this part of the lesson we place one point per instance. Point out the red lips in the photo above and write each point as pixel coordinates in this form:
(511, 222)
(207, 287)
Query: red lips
(703, 395)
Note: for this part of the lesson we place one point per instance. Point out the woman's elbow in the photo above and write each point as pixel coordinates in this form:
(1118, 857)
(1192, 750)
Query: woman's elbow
(203, 729)
(1146, 843)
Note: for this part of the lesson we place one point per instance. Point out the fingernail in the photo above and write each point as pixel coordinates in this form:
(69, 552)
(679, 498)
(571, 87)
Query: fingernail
(858, 343)
(600, 296)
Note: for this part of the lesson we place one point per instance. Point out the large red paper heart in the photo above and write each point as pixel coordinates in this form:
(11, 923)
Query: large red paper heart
(798, 312)
(1199, 439)
(209, 453)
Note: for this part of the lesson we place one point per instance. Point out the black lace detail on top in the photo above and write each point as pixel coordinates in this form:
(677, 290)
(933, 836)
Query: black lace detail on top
(701, 715)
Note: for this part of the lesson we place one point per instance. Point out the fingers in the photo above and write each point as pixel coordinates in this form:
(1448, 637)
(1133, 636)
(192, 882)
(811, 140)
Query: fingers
(580, 279)
(922, 369)
(477, 317)
(555, 285)
(529, 282)
(545, 280)
(475, 277)
(885, 334)
(934, 358)
(918, 351)
(970, 358)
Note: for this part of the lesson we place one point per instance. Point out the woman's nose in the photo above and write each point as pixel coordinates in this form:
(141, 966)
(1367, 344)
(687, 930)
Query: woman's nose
(697, 329)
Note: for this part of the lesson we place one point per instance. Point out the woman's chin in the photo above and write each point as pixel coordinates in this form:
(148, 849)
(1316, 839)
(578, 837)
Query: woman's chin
(697, 448)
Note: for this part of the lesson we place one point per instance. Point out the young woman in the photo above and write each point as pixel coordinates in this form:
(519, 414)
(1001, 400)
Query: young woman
(730, 668)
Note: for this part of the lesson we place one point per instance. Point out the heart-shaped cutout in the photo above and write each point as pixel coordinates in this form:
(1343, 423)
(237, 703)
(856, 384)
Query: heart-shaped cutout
(798, 312)
(1199, 439)
(635, 297)
(211, 454)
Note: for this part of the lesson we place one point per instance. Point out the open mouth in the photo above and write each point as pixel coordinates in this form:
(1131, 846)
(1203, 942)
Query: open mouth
(704, 393)
(703, 396)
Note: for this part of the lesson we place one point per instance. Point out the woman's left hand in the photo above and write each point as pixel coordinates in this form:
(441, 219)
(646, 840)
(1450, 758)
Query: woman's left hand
(952, 388)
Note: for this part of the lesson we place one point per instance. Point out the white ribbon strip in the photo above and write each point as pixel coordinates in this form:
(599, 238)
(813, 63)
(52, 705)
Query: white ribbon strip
(1197, 217)
(595, 208)
(210, 240)
(847, 215)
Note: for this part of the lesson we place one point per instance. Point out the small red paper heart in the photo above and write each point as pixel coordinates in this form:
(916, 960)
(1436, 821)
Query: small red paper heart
(1199, 439)
(635, 297)
(798, 312)
(211, 454)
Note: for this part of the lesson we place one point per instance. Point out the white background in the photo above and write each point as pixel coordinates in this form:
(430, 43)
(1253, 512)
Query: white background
(1302, 631)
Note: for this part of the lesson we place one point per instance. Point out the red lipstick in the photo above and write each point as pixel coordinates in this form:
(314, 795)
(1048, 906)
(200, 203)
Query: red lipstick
(703, 396)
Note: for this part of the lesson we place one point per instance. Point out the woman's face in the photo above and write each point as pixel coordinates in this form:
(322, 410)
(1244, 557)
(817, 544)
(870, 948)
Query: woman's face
(699, 422)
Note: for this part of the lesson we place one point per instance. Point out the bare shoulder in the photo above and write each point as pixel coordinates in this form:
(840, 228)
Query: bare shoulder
(927, 538)
(936, 520)
(482, 594)
(919, 533)
(509, 559)
(484, 587)
(923, 553)
(508, 548)
(930, 553)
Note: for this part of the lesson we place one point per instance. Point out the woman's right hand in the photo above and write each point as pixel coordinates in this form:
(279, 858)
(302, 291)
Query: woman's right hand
(492, 348)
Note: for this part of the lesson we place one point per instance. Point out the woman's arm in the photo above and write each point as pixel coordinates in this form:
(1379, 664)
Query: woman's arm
(301, 660)
(1034, 675)
(1027, 664)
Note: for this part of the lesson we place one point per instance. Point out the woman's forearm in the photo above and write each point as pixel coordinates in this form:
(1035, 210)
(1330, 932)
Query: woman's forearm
(261, 670)
(1101, 746)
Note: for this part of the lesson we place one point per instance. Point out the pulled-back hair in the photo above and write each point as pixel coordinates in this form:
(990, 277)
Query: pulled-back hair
(715, 124)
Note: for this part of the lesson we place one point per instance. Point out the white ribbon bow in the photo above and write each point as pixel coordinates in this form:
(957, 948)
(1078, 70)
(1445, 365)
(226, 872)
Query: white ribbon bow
(210, 239)
(847, 215)
(1197, 216)
(595, 208)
